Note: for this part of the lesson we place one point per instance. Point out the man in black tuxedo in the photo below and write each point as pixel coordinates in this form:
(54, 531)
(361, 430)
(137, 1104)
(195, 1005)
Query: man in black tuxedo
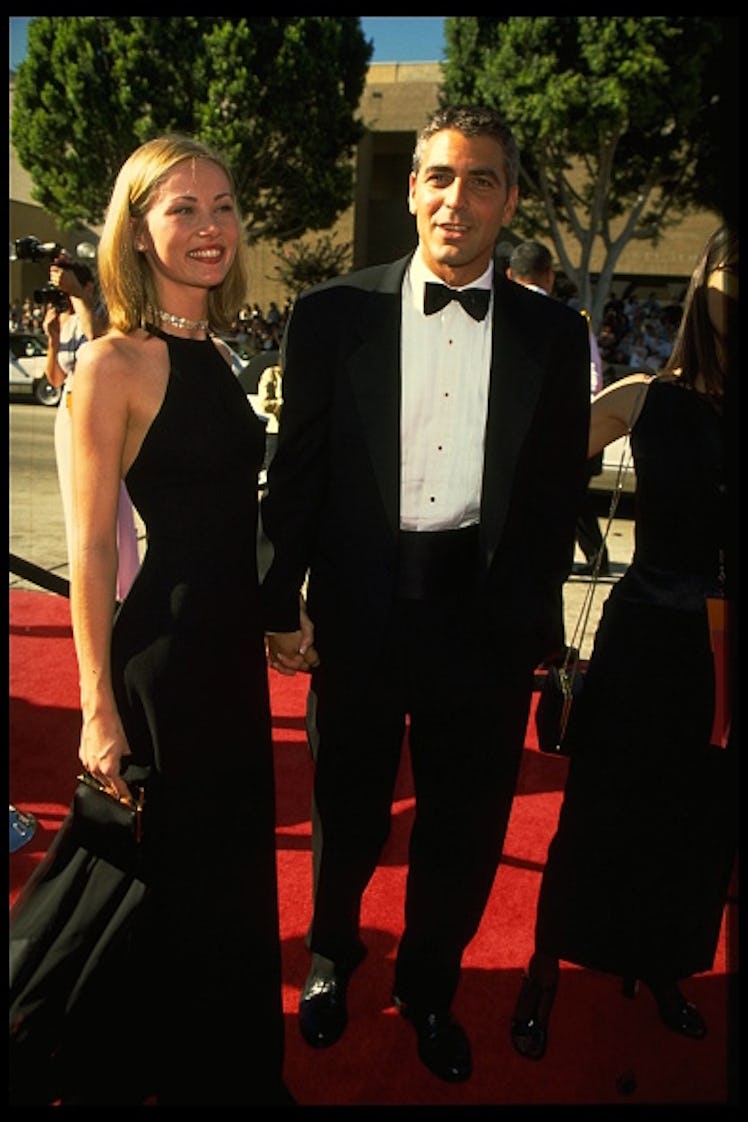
(427, 475)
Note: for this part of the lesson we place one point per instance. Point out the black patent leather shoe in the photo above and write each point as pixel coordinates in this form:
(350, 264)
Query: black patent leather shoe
(323, 1013)
(532, 1013)
(676, 1013)
(443, 1045)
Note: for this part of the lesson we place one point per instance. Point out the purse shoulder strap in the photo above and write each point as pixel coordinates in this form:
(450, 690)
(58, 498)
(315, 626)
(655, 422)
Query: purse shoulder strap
(580, 627)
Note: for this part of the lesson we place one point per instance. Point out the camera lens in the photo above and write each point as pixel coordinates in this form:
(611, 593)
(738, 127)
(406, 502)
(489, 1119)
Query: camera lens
(31, 249)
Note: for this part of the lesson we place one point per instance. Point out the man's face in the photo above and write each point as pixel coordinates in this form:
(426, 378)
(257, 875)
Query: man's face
(461, 200)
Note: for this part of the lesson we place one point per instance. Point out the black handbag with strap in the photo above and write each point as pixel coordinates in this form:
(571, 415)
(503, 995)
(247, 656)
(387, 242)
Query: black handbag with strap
(562, 685)
(564, 681)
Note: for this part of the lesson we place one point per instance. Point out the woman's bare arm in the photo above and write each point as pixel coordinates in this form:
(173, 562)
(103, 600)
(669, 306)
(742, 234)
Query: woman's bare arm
(615, 409)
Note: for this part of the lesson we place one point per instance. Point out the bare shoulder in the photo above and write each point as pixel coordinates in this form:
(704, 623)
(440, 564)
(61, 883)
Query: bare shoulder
(131, 370)
(115, 349)
(126, 360)
(119, 389)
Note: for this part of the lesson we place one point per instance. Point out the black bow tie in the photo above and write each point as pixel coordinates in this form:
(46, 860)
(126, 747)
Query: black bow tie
(473, 300)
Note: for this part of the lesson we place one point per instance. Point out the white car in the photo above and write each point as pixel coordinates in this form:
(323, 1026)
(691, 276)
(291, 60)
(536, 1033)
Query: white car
(28, 358)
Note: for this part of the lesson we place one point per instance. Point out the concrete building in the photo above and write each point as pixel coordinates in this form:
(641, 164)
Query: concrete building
(396, 101)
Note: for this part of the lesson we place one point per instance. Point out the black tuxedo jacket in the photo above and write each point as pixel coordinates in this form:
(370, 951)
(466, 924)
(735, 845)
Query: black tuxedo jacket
(333, 499)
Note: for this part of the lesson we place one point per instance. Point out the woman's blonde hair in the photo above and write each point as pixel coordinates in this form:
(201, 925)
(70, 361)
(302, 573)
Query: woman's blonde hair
(125, 277)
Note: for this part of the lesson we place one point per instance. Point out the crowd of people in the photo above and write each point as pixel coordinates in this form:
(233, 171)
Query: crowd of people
(632, 333)
(420, 513)
(260, 331)
(251, 328)
(26, 315)
(639, 334)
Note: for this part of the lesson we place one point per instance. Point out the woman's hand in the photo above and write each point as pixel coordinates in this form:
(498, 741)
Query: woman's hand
(103, 747)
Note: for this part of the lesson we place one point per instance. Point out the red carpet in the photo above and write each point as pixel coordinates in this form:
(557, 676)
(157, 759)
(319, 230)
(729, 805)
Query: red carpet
(597, 1037)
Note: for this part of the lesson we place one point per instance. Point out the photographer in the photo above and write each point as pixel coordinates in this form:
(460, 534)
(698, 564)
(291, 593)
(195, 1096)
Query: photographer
(72, 316)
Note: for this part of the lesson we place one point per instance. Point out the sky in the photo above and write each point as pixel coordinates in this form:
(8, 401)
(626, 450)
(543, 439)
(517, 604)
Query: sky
(396, 38)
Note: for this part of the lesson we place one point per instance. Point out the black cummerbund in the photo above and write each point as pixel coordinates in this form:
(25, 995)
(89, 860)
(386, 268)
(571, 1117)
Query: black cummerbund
(434, 563)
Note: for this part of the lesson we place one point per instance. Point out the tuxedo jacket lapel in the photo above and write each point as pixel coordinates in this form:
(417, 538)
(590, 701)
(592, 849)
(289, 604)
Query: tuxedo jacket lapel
(375, 372)
(516, 379)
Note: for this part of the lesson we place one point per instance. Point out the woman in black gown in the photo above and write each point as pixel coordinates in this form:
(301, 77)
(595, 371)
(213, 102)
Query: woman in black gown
(638, 870)
(178, 680)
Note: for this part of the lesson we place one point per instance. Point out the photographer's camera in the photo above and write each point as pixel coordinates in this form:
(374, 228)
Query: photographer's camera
(31, 249)
(53, 295)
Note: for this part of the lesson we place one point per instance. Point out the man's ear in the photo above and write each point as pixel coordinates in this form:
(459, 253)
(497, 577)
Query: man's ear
(510, 205)
(411, 193)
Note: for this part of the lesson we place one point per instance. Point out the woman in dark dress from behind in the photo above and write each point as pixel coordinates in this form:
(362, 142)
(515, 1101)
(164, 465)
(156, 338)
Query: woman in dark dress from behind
(640, 865)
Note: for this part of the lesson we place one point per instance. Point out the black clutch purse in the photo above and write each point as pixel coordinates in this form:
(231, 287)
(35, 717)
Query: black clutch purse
(110, 827)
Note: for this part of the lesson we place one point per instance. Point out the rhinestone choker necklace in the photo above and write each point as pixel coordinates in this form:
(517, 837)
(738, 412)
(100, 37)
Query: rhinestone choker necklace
(180, 321)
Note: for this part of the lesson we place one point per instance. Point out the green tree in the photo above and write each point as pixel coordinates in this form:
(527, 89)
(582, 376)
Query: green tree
(625, 124)
(302, 264)
(277, 95)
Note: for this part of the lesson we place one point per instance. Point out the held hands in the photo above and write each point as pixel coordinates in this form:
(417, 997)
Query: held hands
(290, 651)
